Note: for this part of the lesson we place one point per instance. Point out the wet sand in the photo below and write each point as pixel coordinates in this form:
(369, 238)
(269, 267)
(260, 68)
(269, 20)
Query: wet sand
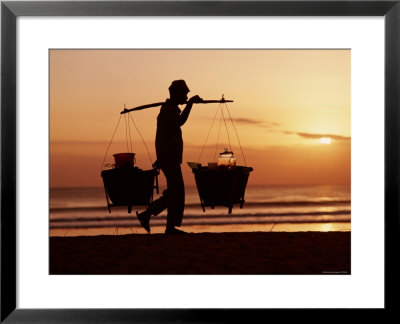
(225, 228)
(203, 253)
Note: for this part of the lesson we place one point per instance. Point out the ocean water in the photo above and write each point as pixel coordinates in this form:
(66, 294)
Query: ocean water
(83, 211)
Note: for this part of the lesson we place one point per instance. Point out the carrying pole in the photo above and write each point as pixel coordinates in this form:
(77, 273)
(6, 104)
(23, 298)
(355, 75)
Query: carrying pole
(126, 110)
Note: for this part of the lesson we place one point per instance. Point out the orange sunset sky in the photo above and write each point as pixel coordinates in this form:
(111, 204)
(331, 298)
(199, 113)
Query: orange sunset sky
(285, 101)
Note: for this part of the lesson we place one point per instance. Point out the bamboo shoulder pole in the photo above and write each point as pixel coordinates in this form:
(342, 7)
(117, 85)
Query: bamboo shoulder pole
(126, 110)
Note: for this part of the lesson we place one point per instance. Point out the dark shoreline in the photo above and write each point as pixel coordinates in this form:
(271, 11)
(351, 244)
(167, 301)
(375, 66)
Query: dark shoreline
(203, 253)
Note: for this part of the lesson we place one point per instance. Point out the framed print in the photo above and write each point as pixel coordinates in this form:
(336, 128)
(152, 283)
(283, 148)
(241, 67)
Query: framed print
(307, 66)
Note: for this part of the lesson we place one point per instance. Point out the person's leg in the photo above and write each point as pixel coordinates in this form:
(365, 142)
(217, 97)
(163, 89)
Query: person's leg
(173, 199)
(155, 208)
(158, 205)
(176, 195)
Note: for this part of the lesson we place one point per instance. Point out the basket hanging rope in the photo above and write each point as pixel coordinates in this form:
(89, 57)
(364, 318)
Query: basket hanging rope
(125, 184)
(222, 183)
(223, 119)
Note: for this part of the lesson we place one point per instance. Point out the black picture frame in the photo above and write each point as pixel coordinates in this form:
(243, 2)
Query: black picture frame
(10, 10)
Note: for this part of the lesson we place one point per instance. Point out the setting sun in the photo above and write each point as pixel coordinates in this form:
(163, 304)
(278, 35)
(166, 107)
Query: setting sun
(325, 140)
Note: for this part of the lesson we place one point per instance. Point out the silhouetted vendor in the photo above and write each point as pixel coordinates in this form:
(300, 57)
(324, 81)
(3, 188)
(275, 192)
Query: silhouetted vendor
(169, 149)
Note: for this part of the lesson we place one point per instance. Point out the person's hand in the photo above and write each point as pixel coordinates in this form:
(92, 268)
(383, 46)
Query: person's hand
(156, 165)
(195, 99)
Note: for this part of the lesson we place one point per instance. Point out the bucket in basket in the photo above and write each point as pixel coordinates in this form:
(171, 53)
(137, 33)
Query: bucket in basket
(124, 160)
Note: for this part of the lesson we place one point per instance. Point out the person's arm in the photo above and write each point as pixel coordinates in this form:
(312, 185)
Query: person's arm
(185, 113)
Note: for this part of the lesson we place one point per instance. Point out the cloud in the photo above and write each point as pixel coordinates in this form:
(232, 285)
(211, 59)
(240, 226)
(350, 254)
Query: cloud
(256, 122)
(312, 136)
(246, 121)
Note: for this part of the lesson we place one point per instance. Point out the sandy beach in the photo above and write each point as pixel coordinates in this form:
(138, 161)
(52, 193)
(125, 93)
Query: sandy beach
(203, 253)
